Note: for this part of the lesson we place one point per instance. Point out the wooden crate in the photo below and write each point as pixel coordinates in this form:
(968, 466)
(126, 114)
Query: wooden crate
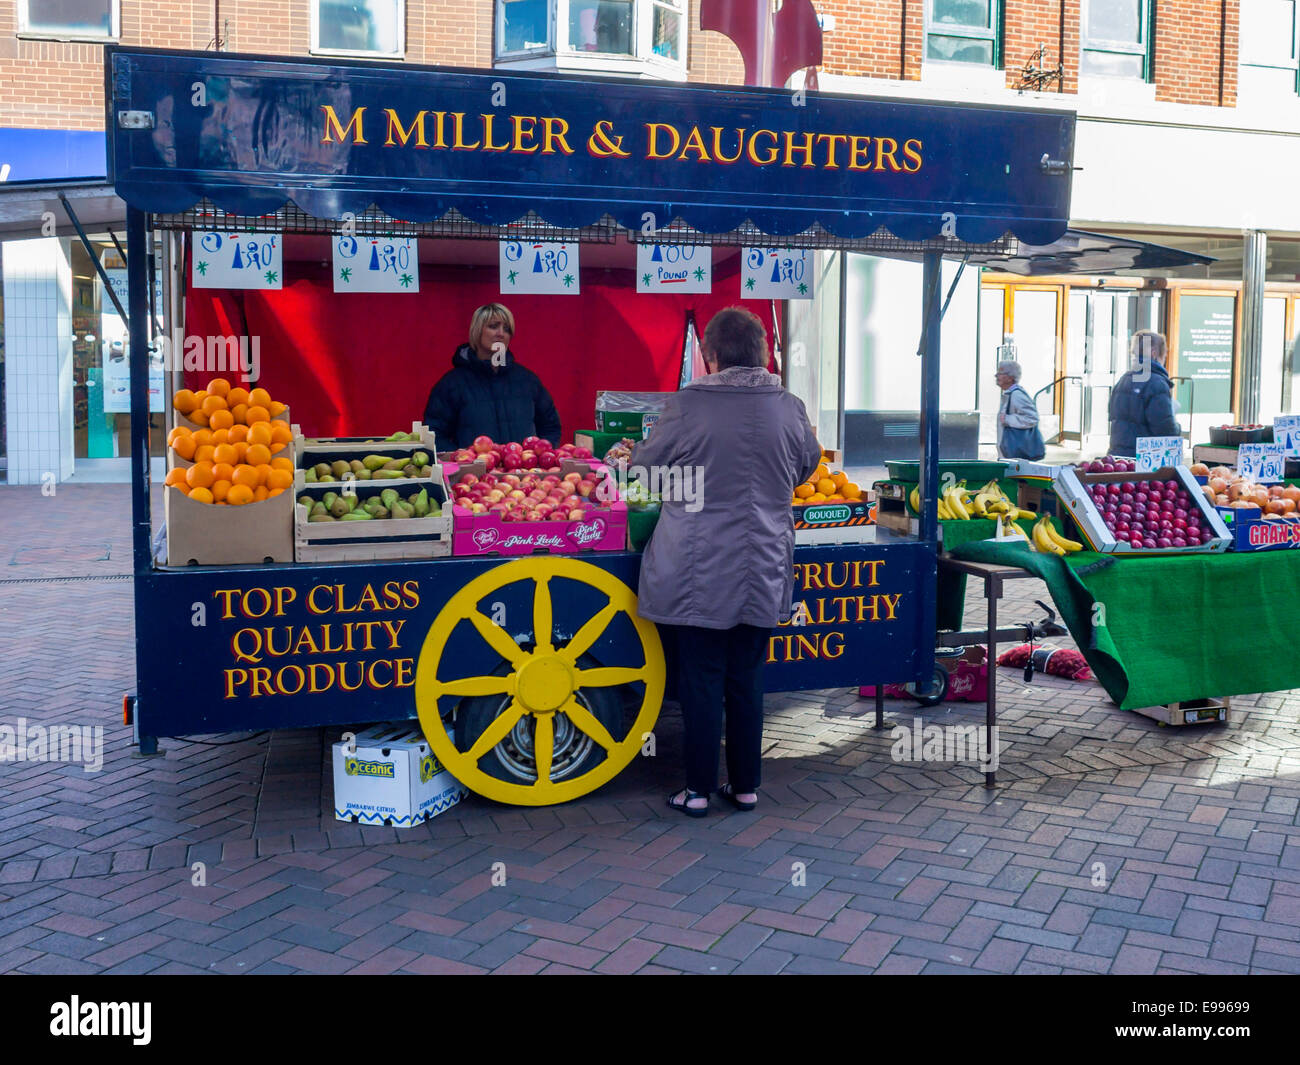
(388, 538)
(348, 445)
(1191, 712)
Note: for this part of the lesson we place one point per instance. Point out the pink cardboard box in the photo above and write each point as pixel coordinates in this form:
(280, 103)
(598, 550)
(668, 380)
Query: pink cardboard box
(601, 529)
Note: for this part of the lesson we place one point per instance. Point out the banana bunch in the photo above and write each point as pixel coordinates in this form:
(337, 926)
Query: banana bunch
(1047, 540)
(959, 503)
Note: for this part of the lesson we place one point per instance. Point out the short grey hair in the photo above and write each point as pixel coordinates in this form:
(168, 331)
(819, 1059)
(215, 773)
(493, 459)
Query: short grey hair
(1010, 368)
(1148, 344)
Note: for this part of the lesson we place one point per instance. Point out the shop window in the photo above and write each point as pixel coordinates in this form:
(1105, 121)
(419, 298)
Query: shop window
(614, 35)
(964, 31)
(1116, 39)
(523, 25)
(69, 19)
(1270, 46)
(359, 27)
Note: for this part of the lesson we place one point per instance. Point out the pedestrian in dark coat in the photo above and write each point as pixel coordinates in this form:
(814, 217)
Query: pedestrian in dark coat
(1142, 401)
(718, 568)
(487, 393)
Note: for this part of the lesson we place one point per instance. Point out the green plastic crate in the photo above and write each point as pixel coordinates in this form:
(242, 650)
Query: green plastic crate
(640, 524)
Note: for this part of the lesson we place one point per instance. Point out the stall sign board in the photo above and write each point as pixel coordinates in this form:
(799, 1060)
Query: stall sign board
(776, 273)
(1206, 330)
(538, 267)
(1261, 463)
(674, 268)
(237, 260)
(305, 646)
(376, 264)
(1286, 433)
(341, 136)
(1157, 452)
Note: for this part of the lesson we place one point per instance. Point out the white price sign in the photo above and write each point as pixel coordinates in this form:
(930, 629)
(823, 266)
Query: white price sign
(376, 264)
(538, 267)
(674, 268)
(1261, 463)
(1157, 452)
(776, 274)
(237, 260)
(1286, 432)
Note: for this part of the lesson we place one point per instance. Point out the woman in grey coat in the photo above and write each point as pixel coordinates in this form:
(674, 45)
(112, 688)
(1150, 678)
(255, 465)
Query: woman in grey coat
(717, 572)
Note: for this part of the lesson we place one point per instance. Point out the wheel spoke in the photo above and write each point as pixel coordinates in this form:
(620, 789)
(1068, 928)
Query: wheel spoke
(608, 676)
(544, 744)
(475, 686)
(497, 638)
(585, 720)
(496, 731)
(542, 616)
(589, 633)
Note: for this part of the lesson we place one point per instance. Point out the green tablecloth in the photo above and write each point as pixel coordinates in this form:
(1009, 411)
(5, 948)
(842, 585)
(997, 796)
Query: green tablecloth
(1164, 630)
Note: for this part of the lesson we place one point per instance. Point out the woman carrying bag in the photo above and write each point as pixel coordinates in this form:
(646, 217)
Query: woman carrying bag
(1018, 435)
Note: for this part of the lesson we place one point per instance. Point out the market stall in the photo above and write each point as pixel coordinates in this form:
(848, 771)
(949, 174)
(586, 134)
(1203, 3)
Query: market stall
(532, 676)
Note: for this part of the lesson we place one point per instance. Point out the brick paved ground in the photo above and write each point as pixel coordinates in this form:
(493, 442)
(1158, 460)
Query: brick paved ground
(1113, 846)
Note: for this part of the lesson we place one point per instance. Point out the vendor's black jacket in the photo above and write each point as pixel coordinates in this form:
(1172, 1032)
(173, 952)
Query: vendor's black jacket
(475, 398)
(1141, 405)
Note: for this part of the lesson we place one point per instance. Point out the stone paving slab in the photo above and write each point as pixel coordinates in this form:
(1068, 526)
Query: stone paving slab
(1111, 845)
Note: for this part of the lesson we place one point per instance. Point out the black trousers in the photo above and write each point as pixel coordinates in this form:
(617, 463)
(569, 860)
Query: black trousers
(720, 673)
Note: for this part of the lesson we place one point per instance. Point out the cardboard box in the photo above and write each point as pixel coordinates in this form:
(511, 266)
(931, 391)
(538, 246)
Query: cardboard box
(602, 528)
(1251, 531)
(392, 778)
(1192, 712)
(835, 523)
(1072, 488)
(205, 534)
(624, 412)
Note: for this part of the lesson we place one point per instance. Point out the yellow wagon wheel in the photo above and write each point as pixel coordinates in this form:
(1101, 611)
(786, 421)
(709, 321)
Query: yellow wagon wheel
(541, 683)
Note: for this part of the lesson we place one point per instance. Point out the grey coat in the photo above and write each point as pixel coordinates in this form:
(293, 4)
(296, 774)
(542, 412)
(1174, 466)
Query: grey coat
(723, 557)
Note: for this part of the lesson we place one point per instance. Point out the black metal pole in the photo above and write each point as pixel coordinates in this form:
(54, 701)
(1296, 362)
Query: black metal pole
(137, 280)
(930, 399)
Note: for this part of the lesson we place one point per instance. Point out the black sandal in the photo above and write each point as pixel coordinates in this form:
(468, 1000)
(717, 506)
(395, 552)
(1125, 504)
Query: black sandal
(729, 793)
(687, 796)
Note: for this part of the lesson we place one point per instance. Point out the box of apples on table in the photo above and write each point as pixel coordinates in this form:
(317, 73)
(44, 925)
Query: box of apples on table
(1123, 512)
(501, 507)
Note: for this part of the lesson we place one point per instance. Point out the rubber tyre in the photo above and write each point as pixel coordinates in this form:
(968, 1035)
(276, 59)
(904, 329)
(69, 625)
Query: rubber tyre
(476, 713)
(935, 692)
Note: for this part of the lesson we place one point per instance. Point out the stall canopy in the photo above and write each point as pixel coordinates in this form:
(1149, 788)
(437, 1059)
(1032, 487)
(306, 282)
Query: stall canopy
(251, 134)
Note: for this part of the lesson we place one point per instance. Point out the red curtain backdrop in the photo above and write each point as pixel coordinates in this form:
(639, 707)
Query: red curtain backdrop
(361, 364)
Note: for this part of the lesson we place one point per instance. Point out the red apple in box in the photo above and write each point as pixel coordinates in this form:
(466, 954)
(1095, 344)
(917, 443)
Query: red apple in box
(490, 460)
(576, 515)
(465, 455)
(582, 453)
(546, 459)
(482, 444)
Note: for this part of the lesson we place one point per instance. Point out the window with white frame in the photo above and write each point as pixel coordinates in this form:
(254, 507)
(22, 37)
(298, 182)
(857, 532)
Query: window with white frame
(82, 19)
(636, 31)
(359, 27)
(1270, 46)
(964, 31)
(1115, 38)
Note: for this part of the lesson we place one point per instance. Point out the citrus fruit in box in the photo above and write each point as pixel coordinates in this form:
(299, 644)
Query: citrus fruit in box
(232, 439)
(826, 486)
